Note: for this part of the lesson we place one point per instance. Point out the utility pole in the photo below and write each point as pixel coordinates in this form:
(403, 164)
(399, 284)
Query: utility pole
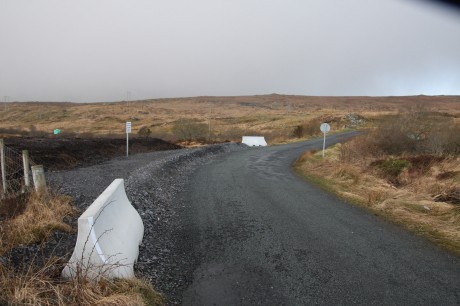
(209, 123)
(128, 97)
(6, 99)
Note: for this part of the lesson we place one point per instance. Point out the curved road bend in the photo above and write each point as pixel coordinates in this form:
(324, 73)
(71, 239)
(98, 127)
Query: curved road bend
(261, 235)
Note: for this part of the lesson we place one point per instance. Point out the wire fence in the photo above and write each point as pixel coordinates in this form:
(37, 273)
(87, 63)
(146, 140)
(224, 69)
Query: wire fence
(15, 180)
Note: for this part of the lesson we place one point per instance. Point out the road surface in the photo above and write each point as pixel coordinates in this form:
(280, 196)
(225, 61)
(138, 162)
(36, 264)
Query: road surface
(261, 235)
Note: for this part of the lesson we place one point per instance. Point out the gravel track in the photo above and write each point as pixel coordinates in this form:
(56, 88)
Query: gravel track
(152, 181)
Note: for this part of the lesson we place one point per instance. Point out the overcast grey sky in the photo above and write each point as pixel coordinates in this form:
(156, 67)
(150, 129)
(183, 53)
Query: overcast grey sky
(97, 50)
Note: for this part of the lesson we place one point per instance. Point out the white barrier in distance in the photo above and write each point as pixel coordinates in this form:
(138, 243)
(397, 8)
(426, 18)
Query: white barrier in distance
(109, 234)
(254, 141)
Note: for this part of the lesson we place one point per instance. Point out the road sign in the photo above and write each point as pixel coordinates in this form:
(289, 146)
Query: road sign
(325, 127)
(128, 130)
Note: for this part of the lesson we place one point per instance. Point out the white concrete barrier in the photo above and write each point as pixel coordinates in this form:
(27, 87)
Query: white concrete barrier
(109, 234)
(254, 141)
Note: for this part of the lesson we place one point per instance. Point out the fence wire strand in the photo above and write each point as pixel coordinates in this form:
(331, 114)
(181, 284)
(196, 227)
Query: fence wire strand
(14, 172)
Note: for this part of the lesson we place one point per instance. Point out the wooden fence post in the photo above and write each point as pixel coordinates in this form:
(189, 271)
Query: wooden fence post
(26, 164)
(38, 175)
(3, 165)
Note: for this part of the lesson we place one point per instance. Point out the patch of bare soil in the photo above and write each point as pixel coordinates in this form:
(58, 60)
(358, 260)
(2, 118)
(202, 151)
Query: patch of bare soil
(68, 153)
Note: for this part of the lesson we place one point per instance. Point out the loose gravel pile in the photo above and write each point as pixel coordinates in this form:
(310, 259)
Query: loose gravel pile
(152, 181)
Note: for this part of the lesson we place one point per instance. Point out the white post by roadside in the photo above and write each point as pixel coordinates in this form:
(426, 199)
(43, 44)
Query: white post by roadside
(325, 128)
(38, 175)
(26, 166)
(3, 165)
(128, 130)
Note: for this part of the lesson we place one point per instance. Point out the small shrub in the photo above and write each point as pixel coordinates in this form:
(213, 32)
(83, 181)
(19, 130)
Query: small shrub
(311, 128)
(144, 132)
(188, 129)
(358, 149)
(418, 132)
(393, 167)
(298, 131)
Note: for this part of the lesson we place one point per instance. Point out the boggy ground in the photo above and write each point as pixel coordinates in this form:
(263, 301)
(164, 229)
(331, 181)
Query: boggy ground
(67, 153)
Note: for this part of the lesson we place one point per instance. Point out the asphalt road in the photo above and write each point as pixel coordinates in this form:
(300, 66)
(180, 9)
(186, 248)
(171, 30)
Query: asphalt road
(261, 235)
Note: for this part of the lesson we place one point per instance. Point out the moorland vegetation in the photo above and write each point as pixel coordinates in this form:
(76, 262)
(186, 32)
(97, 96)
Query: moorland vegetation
(405, 166)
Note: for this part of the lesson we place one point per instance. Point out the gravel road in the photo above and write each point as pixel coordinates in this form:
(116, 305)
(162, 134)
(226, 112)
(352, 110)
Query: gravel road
(152, 181)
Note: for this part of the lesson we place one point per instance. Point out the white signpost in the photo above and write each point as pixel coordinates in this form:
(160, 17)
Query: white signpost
(325, 128)
(128, 130)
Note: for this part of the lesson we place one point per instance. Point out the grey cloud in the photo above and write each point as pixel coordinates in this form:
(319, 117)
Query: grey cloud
(96, 50)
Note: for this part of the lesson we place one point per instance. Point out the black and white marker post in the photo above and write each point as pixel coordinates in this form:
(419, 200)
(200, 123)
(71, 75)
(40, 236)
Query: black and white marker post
(128, 130)
(325, 128)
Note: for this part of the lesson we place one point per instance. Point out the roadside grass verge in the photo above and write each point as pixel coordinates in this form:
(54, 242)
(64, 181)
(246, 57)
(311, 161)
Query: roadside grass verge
(40, 216)
(42, 285)
(39, 281)
(410, 196)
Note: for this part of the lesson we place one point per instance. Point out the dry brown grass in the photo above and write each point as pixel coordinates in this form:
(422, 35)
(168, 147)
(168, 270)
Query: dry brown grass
(274, 116)
(42, 215)
(41, 285)
(38, 283)
(412, 204)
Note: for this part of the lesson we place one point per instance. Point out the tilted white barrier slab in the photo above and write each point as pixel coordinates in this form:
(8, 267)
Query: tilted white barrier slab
(109, 234)
(254, 141)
